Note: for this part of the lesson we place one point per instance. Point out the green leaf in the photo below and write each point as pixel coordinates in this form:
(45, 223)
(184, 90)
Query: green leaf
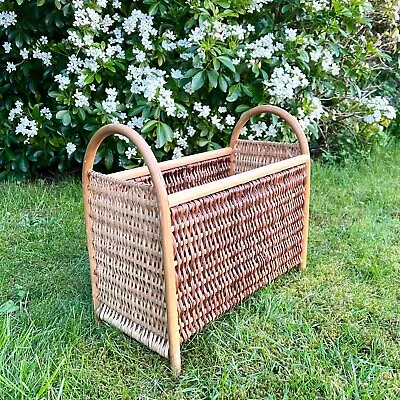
(61, 113)
(66, 118)
(8, 307)
(222, 83)
(168, 133)
(78, 155)
(203, 142)
(40, 2)
(121, 147)
(216, 64)
(19, 2)
(36, 112)
(19, 39)
(227, 62)
(241, 108)
(224, 3)
(161, 140)
(192, 72)
(303, 56)
(23, 164)
(54, 94)
(109, 159)
(234, 92)
(212, 76)
(149, 126)
(153, 9)
(81, 114)
(89, 79)
(198, 81)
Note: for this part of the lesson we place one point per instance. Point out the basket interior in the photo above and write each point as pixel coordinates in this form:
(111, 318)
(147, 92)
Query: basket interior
(249, 155)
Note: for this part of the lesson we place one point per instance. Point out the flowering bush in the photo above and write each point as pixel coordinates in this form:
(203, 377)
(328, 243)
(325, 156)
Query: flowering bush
(180, 72)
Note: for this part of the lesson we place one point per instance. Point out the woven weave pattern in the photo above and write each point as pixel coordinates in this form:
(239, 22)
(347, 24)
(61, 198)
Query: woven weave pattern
(229, 244)
(192, 175)
(128, 255)
(252, 154)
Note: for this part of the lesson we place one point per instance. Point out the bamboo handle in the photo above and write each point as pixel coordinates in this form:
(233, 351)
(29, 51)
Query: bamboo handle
(290, 119)
(166, 229)
(135, 138)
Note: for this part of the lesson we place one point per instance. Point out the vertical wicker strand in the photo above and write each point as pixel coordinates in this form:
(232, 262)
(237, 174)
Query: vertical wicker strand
(306, 211)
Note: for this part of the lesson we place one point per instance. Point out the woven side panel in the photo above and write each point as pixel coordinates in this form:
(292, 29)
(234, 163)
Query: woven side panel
(254, 154)
(229, 244)
(128, 255)
(191, 175)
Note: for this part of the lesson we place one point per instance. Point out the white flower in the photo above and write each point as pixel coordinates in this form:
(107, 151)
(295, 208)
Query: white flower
(7, 47)
(80, 99)
(16, 111)
(143, 24)
(131, 152)
(328, 64)
(264, 47)
(111, 103)
(316, 54)
(122, 137)
(177, 153)
(272, 131)
(222, 109)
(45, 112)
(191, 131)
(291, 34)
(230, 120)
(24, 53)
(7, 18)
(204, 111)
(27, 127)
(285, 81)
(136, 122)
(44, 56)
(217, 122)
(257, 5)
(140, 55)
(176, 74)
(378, 108)
(71, 147)
(182, 142)
(117, 4)
(11, 67)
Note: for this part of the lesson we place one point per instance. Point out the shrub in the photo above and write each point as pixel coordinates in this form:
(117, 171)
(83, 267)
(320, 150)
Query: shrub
(180, 72)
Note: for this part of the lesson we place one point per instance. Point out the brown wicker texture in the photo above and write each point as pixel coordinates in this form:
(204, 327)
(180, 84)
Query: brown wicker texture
(252, 154)
(231, 243)
(191, 175)
(128, 254)
(174, 246)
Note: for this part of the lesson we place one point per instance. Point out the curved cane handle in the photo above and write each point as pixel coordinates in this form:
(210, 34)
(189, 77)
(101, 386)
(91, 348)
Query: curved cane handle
(290, 119)
(137, 140)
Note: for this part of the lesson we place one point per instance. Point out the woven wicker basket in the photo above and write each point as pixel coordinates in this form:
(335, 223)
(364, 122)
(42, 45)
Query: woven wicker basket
(174, 245)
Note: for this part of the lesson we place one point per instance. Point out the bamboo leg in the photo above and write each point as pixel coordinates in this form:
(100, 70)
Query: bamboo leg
(306, 216)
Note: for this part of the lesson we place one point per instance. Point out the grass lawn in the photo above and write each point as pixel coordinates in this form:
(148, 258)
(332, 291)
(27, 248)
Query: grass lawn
(332, 332)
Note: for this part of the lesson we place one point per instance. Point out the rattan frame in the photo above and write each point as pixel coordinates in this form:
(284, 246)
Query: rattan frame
(167, 201)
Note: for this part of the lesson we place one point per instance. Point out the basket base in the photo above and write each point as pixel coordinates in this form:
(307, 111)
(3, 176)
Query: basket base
(135, 331)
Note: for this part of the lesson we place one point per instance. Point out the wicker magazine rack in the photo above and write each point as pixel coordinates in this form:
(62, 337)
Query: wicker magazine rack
(174, 245)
